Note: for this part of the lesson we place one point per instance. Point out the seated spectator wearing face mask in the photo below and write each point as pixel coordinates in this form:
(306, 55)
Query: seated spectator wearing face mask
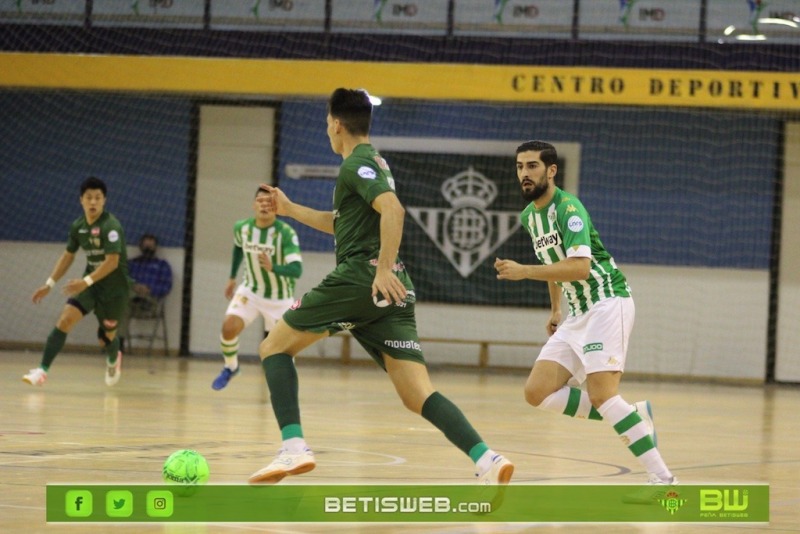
(151, 276)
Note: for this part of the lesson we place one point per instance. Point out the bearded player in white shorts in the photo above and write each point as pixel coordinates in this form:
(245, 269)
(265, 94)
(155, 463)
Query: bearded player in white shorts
(591, 344)
(270, 251)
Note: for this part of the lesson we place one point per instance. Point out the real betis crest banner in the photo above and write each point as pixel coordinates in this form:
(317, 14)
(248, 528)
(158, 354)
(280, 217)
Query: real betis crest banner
(462, 213)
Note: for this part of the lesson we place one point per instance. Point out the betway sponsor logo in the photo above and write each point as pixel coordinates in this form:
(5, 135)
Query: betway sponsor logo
(258, 248)
(547, 241)
(402, 344)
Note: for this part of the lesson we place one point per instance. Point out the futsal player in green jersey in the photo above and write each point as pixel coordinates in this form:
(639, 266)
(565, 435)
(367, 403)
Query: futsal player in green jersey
(272, 264)
(592, 342)
(368, 293)
(103, 289)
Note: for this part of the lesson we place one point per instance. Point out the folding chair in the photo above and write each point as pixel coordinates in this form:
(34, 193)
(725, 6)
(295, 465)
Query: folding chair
(146, 322)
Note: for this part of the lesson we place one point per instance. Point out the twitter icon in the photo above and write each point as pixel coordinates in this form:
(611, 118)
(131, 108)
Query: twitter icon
(119, 503)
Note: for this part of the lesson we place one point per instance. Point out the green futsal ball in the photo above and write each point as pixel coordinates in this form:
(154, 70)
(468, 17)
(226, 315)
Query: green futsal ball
(186, 468)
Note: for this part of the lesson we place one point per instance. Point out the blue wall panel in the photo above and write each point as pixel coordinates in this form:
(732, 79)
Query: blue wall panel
(666, 187)
(53, 140)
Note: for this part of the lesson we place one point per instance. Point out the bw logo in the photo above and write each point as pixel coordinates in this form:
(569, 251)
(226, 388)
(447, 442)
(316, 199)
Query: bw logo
(467, 233)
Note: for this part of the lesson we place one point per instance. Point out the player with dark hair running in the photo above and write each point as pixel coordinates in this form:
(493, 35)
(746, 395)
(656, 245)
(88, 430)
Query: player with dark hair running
(592, 343)
(369, 293)
(104, 288)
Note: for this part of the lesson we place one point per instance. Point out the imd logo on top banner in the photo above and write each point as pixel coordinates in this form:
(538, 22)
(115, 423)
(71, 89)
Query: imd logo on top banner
(468, 232)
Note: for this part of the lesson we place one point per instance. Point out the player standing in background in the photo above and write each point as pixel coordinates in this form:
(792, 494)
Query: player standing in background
(104, 288)
(368, 293)
(592, 342)
(273, 264)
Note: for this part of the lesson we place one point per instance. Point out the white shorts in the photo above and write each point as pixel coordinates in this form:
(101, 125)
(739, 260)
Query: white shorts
(593, 342)
(247, 305)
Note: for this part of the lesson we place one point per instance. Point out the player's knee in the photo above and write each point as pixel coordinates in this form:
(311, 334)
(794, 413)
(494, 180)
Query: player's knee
(231, 327)
(266, 348)
(411, 405)
(107, 331)
(65, 325)
(534, 396)
(412, 401)
(228, 332)
(66, 322)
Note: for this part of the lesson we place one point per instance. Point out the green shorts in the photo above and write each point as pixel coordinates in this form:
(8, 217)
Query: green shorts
(108, 305)
(342, 302)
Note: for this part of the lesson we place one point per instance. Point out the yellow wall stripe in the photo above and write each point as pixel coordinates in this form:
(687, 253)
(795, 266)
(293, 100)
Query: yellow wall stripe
(522, 83)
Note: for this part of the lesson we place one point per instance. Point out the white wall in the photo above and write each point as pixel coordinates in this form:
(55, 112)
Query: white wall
(788, 322)
(693, 322)
(689, 322)
(25, 266)
(235, 155)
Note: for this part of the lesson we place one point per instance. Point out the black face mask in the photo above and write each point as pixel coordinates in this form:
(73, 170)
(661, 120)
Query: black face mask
(148, 253)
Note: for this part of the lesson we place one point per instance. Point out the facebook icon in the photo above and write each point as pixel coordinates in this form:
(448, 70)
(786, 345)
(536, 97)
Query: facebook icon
(78, 503)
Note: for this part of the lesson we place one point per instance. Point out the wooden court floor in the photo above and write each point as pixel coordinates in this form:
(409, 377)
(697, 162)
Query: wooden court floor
(77, 430)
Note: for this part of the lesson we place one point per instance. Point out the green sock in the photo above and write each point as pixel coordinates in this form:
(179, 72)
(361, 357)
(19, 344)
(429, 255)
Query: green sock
(446, 416)
(477, 451)
(291, 431)
(112, 351)
(55, 342)
(283, 391)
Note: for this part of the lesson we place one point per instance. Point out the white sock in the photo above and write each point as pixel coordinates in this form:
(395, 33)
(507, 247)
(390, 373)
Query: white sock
(634, 434)
(572, 402)
(294, 445)
(484, 463)
(230, 351)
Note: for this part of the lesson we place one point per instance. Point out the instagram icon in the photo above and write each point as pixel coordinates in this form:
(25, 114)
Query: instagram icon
(159, 503)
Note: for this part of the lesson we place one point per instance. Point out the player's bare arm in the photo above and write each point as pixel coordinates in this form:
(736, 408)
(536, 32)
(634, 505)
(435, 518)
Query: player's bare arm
(566, 270)
(280, 204)
(230, 288)
(555, 308)
(62, 265)
(392, 214)
(76, 285)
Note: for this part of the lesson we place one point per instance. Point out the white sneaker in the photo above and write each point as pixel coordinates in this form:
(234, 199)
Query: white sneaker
(495, 481)
(499, 473)
(35, 377)
(656, 489)
(283, 465)
(645, 411)
(114, 370)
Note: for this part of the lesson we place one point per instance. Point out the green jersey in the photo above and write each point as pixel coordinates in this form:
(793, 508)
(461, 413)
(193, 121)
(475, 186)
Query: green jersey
(104, 236)
(563, 229)
(279, 241)
(356, 225)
